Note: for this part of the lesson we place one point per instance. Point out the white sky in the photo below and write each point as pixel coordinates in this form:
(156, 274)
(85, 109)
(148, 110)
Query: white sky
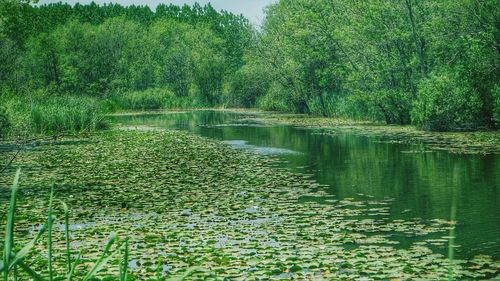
(251, 9)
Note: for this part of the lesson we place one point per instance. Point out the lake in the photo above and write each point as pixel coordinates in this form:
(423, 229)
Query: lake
(417, 183)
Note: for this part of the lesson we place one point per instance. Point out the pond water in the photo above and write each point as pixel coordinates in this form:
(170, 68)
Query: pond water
(420, 185)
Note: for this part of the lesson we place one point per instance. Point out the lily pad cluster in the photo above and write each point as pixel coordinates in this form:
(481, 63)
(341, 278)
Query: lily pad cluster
(196, 208)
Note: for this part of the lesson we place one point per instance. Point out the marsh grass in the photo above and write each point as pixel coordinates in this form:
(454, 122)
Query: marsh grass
(41, 113)
(13, 263)
(151, 99)
(68, 114)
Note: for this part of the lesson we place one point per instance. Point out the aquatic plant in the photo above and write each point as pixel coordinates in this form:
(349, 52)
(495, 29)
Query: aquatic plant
(68, 114)
(13, 263)
(42, 113)
(486, 142)
(215, 212)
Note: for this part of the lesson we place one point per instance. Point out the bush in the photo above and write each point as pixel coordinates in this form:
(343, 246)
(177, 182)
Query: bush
(495, 92)
(4, 123)
(323, 105)
(446, 102)
(276, 99)
(68, 114)
(247, 85)
(151, 99)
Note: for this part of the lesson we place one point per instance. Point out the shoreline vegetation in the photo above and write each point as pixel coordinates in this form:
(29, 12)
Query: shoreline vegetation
(432, 65)
(224, 213)
(51, 119)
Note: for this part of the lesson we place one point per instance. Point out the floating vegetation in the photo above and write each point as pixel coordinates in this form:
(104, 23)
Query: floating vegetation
(195, 208)
(14, 264)
(487, 142)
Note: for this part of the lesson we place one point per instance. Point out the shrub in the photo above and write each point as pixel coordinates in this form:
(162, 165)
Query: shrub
(446, 102)
(143, 100)
(151, 99)
(323, 105)
(275, 99)
(4, 123)
(246, 86)
(495, 92)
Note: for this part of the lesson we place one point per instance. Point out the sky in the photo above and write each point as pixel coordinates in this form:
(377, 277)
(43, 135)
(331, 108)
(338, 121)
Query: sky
(251, 9)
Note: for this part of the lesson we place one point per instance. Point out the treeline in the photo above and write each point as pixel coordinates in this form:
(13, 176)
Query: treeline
(432, 63)
(122, 57)
(435, 64)
(96, 50)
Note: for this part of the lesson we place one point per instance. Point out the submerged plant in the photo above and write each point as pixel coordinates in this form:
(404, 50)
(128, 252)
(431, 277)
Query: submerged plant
(13, 261)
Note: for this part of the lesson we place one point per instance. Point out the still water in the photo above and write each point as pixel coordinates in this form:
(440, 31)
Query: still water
(421, 185)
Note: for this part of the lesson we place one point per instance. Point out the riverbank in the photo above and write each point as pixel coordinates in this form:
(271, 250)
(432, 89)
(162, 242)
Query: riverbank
(212, 211)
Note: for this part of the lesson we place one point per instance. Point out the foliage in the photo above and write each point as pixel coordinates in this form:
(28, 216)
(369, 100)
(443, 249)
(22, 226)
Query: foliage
(4, 122)
(65, 114)
(445, 102)
(496, 104)
(275, 99)
(142, 100)
(188, 51)
(150, 99)
(13, 263)
(247, 86)
(368, 59)
(362, 59)
(42, 113)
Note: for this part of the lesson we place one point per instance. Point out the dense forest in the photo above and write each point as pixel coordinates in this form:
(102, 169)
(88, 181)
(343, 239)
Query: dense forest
(434, 64)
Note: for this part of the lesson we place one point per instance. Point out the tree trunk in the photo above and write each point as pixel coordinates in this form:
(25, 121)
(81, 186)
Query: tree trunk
(418, 44)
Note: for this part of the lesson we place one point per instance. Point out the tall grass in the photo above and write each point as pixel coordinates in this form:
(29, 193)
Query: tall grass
(41, 113)
(150, 99)
(14, 262)
(68, 114)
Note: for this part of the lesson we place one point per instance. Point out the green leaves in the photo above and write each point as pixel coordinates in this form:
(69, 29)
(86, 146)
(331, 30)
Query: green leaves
(446, 102)
(103, 260)
(9, 229)
(13, 261)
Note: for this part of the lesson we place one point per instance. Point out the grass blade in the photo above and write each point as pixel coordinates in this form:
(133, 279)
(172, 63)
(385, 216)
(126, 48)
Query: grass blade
(27, 248)
(50, 221)
(124, 266)
(159, 270)
(101, 262)
(66, 230)
(75, 264)
(9, 229)
(35, 276)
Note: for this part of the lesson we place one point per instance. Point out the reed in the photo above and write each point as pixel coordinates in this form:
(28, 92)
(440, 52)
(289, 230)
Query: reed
(69, 114)
(13, 263)
(124, 265)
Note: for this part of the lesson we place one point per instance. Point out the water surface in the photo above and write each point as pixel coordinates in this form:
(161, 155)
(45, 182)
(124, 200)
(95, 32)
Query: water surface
(419, 185)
